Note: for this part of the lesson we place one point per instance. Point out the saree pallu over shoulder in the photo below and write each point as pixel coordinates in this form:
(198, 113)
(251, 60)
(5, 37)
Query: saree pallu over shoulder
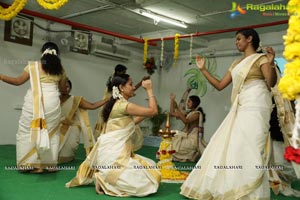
(39, 132)
(28, 153)
(240, 72)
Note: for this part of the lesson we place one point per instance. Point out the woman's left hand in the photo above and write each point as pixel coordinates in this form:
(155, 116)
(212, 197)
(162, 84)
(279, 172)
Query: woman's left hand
(270, 55)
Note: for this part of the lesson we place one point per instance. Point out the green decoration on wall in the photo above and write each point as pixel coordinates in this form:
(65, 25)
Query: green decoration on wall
(196, 79)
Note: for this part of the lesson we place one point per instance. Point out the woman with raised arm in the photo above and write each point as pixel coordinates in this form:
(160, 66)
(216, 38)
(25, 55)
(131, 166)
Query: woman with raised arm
(116, 170)
(188, 143)
(74, 122)
(37, 138)
(233, 165)
(119, 69)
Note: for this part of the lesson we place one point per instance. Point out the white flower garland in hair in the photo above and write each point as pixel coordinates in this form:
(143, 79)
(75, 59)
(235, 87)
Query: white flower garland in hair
(49, 51)
(116, 93)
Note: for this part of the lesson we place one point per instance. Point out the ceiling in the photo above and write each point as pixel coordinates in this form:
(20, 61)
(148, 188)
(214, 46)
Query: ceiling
(121, 17)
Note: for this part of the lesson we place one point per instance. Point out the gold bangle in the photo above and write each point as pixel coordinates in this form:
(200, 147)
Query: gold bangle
(151, 96)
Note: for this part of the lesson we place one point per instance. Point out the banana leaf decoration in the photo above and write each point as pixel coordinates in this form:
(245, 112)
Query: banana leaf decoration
(196, 79)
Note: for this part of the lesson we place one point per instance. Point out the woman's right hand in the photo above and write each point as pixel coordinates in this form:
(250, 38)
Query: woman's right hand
(200, 61)
(172, 96)
(147, 84)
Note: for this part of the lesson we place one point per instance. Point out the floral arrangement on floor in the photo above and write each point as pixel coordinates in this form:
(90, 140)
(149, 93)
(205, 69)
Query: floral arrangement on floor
(165, 164)
(289, 85)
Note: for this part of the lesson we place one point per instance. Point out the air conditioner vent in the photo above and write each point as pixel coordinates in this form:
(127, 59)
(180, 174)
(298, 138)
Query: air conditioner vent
(110, 51)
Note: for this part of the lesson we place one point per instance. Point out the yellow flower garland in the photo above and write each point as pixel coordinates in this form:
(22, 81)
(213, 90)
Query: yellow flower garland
(52, 4)
(289, 85)
(176, 46)
(145, 50)
(18, 5)
(13, 10)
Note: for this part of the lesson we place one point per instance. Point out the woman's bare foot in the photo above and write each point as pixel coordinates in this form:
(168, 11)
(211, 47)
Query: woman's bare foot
(98, 189)
(37, 171)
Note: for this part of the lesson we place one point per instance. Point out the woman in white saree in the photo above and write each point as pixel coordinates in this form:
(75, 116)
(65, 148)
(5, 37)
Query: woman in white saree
(188, 143)
(74, 122)
(37, 138)
(234, 163)
(113, 166)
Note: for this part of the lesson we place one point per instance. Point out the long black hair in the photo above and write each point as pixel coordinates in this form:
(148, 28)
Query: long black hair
(116, 81)
(255, 37)
(196, 102)
(51, 63)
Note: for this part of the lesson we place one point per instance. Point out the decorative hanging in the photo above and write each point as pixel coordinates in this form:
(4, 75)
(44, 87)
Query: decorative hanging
(176, 47)
(52, 4)
(145, 50)
(162, 52)
(191, 49)
(12, 11)
(150, 65)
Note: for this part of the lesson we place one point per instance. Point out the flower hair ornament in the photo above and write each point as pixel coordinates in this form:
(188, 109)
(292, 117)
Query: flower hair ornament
(116, 93)
(49, 51)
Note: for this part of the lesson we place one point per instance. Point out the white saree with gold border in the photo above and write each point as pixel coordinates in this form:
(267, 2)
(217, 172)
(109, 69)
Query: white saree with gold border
(75, 122)
(112, 163)
(187, 144)
(37, 148)
(232, 165)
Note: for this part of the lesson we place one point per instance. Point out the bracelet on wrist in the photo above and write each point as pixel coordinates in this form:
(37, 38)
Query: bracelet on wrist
(151, 96)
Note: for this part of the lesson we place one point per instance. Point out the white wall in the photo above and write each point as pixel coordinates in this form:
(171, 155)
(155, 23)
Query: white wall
(89, 75)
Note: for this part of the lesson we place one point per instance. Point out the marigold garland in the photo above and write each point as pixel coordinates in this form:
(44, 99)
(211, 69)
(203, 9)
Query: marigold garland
(52, 4)
(176, 46)
(12, 11)
(289, 84)
(145, 50)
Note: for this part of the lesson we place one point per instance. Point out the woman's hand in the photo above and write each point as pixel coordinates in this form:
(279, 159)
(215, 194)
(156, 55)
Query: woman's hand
(172, 96)
(147, 84)
(174, 114)
(270, 55)
(200, 61)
